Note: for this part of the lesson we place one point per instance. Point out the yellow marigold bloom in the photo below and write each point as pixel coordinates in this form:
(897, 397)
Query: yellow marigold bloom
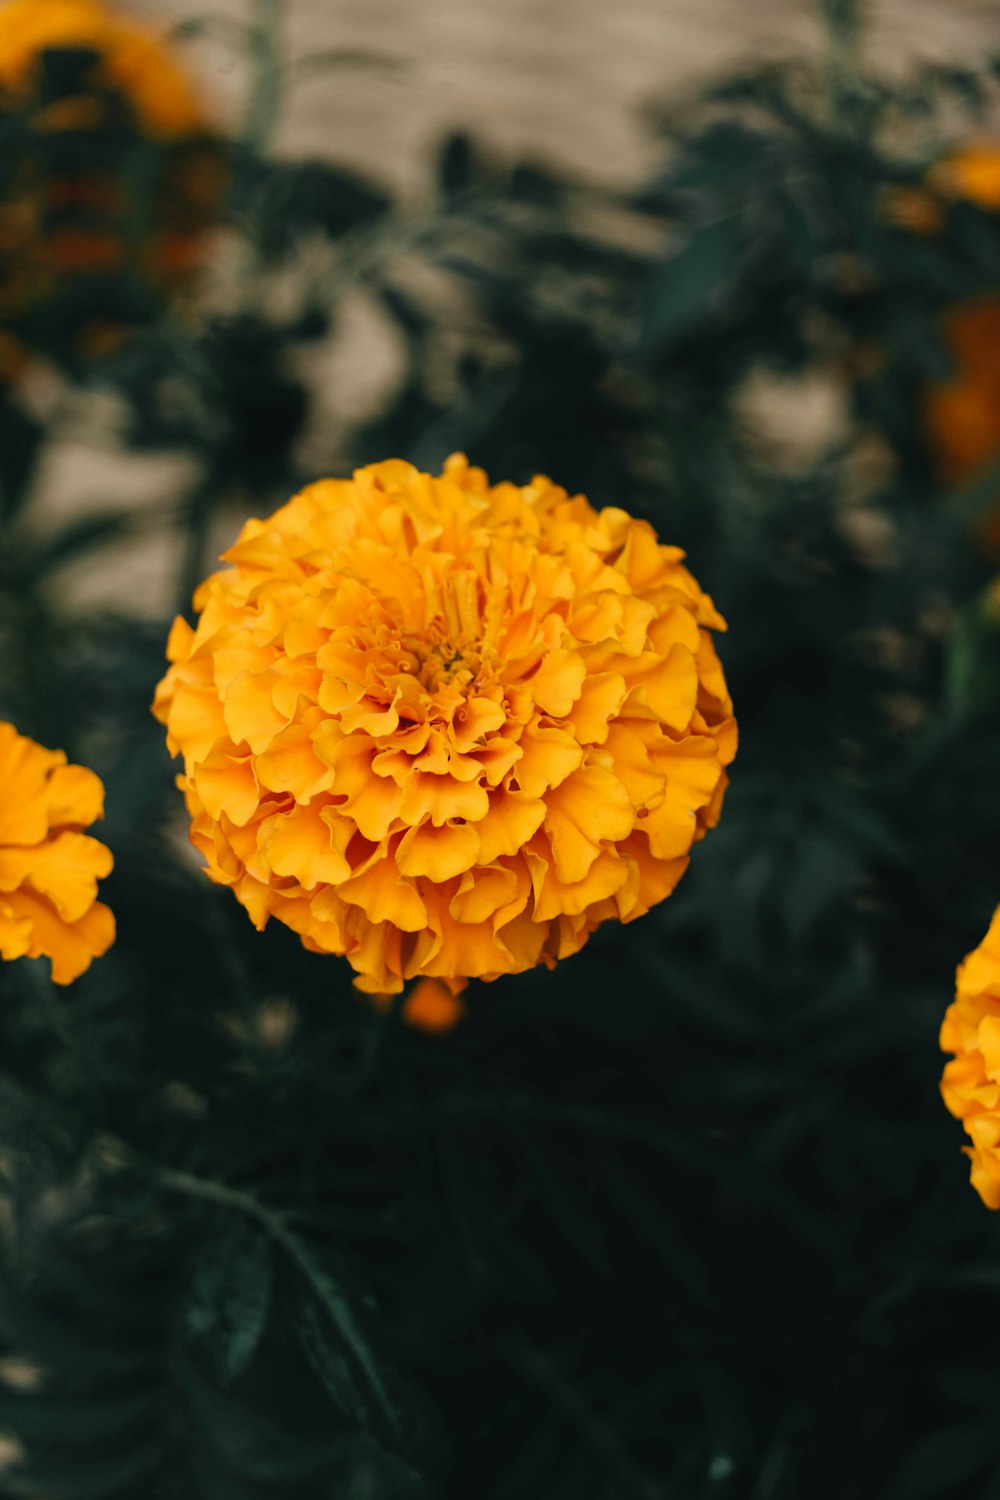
(446, 728)
(49, 868)
(970, 1085)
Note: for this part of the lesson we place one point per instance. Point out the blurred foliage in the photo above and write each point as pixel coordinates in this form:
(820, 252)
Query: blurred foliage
(684, 1219)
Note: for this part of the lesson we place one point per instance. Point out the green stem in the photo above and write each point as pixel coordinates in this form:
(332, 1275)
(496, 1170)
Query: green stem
(843, 23)
(200, 511)
(265, 92)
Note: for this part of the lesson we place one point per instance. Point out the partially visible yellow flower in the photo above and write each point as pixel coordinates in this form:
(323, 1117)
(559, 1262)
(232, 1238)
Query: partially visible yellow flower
(447, 728)
(49, 868)
(970, 1085)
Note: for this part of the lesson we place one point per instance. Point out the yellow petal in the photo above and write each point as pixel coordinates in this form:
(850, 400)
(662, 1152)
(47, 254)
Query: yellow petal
(442, 798)
(71, 946)
(385, 896)
(692, 773)
(24, 768)
(195, 722)
(290, 764)
(512, 819)
(989, 1046)
(550, 755)
(557, 683)
(250, 713)
(65, 868)
(227, 784)
(486, 894)
(307, 845)
(600, 699)
(591, 806)
(438, 853)
(15, 933)
(75, 797)
(373, 801)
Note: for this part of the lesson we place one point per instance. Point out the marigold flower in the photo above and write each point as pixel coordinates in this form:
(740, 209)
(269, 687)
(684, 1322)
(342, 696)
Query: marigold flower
(446, 728)
(90, 101)
(49, 868)
(970, 1085)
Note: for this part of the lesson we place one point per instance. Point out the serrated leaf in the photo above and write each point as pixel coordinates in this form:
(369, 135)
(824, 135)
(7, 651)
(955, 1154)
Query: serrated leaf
(231, 1295)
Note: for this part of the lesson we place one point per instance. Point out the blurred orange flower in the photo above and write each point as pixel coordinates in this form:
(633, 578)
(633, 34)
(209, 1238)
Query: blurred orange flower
(82, 91)
(49, 868)
(447, 728)
(962, 413)
(432, 1006)
(972, 172)
(970, 1086)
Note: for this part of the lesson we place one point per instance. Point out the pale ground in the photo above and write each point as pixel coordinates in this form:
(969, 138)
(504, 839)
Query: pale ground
(561, 80)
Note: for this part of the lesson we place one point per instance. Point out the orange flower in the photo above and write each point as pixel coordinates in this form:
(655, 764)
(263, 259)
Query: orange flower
(444, 728)
(971, 173)
(963, 413)
(49, 868)
(74, 71)
(131, 62)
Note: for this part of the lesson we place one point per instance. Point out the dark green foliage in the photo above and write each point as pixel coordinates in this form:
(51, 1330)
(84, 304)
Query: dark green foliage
(685, 1219)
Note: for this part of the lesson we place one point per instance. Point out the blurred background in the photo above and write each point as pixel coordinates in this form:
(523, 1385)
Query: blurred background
(686, 1218)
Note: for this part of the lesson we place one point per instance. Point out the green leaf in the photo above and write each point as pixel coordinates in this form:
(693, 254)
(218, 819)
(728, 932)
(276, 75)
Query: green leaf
(328, 1357)
(336, 1304)
(231, 1295)
(688, 287)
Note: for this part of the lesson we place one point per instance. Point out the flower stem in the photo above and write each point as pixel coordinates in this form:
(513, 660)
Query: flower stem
(265, 92)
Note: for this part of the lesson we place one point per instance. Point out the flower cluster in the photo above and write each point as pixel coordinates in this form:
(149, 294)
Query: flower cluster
(970, 1085)
(91, 106)
(49, 868)
(447, 728)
